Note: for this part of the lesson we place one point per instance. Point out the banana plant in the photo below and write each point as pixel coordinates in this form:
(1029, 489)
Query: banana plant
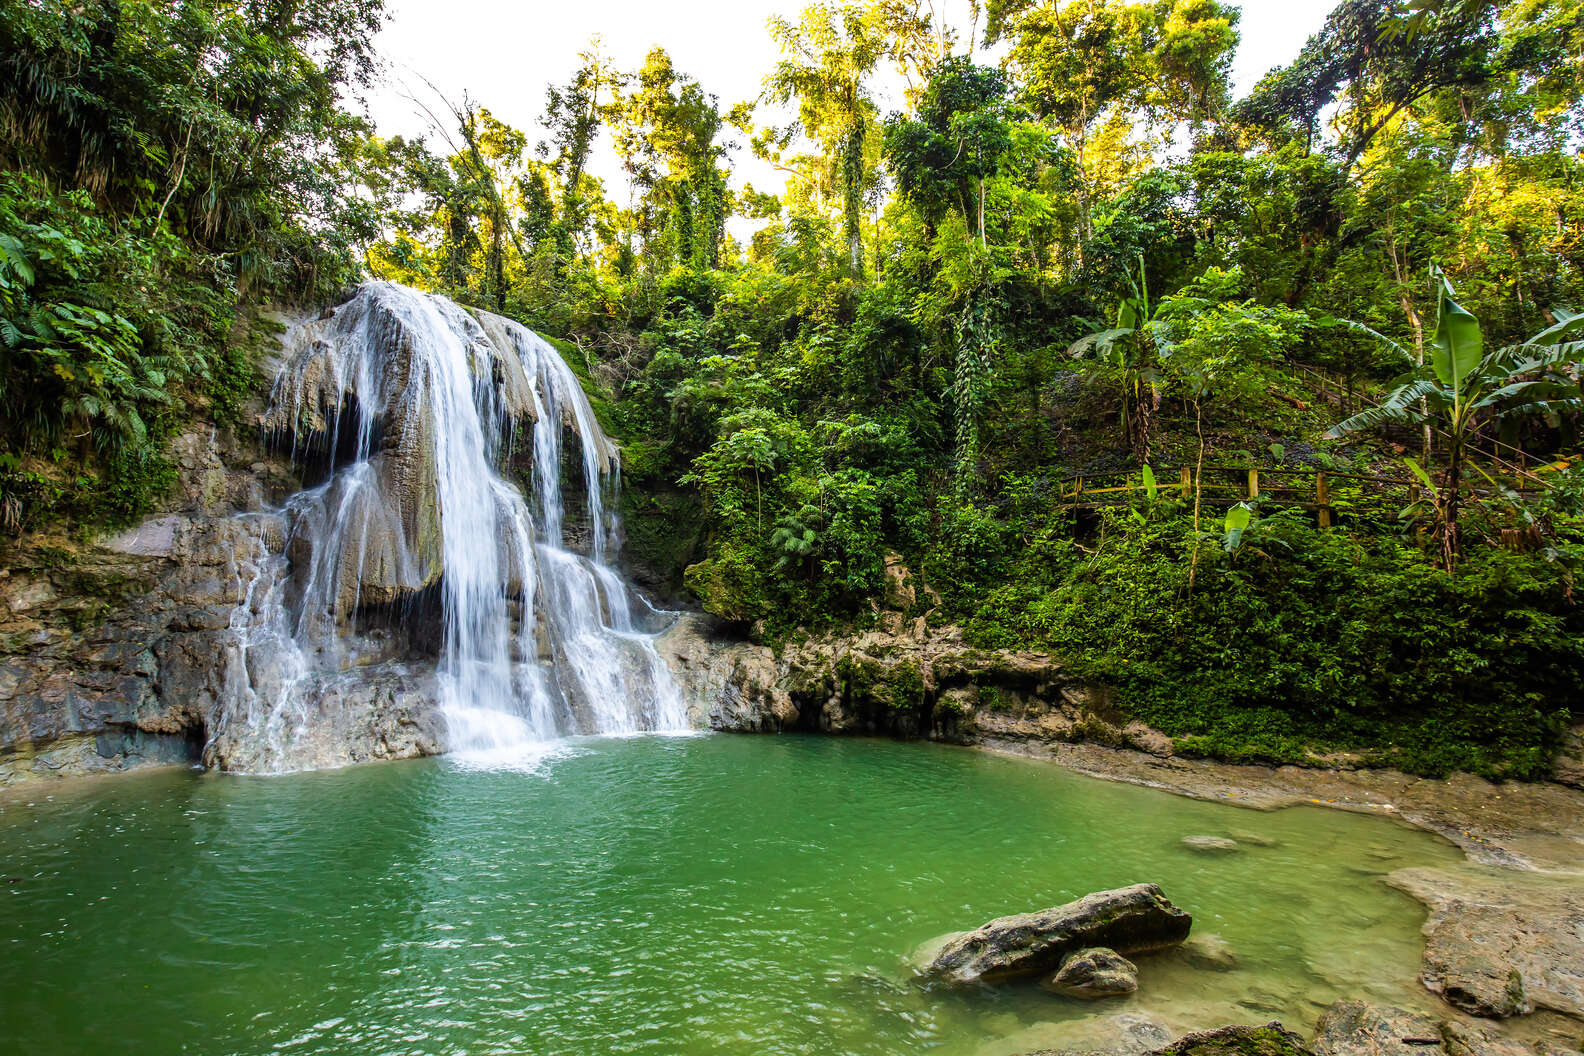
(1238, 519)
(1134, 347)
(1462, 385)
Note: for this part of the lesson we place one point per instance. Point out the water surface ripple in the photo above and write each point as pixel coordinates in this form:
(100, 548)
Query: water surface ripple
(651, 895)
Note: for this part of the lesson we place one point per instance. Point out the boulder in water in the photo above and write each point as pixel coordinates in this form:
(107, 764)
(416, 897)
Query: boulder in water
(1270, 1040)
(1120, 1034)
(1128, 920)
(1095, 972)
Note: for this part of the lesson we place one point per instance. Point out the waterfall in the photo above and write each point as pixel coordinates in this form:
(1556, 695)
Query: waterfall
(417, 553)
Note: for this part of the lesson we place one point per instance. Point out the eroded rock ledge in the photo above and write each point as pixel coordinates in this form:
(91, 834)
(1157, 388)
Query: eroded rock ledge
(114, 654)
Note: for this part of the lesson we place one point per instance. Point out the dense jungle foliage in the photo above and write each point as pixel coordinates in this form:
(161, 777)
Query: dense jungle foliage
(1071, 253)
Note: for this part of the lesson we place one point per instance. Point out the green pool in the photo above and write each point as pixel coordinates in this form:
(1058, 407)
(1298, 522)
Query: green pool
(710, 894)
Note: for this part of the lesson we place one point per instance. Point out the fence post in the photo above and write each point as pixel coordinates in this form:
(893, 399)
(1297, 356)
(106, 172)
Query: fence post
(1323, 500)
(1253, 483)
(1187, 482)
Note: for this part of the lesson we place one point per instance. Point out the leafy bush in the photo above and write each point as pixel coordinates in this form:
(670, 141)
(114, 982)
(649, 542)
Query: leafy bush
(1307, 642)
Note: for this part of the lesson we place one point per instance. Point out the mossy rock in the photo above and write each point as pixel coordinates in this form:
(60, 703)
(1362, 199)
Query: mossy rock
(725, 588)
(1270, 1040)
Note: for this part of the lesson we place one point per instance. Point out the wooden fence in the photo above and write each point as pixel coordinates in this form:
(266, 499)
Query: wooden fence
(1304, 487)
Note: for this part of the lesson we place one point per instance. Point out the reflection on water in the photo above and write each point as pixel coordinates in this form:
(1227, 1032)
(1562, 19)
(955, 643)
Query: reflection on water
(665, 895)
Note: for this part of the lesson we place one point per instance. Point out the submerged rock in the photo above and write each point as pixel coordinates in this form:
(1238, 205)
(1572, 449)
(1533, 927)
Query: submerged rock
(1120, 1034)
(1134, 919)
(1210, 844)
(1095, 972)
(1501, 945)
(1210, 952)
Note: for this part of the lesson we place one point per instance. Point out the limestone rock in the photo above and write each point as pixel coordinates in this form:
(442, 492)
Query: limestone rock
(899, 594)
(1568, 767)
(731, 685)
(1095, 972)
(1464, 1038)
(1501, 944)
(1148, 739)
(342, 720)
(1353, 1028)
(1128, 920)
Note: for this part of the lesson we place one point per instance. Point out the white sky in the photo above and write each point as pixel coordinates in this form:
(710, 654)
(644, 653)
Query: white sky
(503, 54)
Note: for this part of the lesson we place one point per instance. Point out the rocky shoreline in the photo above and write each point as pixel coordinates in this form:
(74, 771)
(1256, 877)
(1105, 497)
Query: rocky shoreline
(1504, 938)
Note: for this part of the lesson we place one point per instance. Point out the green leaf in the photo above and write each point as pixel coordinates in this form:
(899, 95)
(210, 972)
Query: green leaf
(1149, 483)
(1567, 323)
(1419, 471)
(1237, 522)
(1458, 345)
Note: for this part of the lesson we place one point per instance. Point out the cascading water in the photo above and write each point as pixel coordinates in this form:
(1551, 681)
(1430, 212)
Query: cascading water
(417, 545)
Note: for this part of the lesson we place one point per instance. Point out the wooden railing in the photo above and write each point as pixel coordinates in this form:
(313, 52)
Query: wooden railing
(1227, 485)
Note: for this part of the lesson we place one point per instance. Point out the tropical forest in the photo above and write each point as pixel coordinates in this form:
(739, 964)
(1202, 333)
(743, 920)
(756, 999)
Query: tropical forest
(1097, 472)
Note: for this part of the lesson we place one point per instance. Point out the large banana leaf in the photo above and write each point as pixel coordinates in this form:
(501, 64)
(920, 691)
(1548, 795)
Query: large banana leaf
(1551, 409)
(1101, 341)
(1400, 408)
(1458, 347)
(1364, 331)
(1567, 323)
(1541, 356)
(1127, 315)
(1530, 391)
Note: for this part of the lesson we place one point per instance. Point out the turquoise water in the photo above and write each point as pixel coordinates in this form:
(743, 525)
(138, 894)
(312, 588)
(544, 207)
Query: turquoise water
(714, 894)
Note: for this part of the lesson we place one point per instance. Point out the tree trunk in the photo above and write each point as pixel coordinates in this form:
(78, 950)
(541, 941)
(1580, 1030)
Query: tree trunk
(981, 211)
(1399, 269)
(1193, 565)
(1451, 535)
(852, 203)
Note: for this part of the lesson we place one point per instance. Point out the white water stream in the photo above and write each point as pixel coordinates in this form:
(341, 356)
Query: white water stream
(419, 407)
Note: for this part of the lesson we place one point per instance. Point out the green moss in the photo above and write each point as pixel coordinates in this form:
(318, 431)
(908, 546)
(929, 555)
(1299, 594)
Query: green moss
(1269, 1040)
(598, 398)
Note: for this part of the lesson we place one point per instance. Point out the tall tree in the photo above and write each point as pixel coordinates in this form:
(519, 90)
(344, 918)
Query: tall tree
(572, 118)
(666, 131)
(1098, 69)
(827, 57)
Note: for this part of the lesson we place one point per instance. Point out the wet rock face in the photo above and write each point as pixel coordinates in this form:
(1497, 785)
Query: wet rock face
(114, 656)
(904, 678)
(388, 713)
(107, 653)
(1094, 973)
(1128, 920)
(1502, 944)
(726, 684)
